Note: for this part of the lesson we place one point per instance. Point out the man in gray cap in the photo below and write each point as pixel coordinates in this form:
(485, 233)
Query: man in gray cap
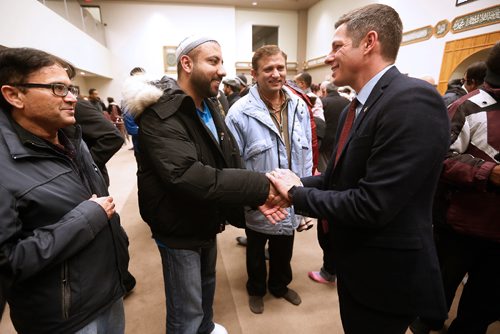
(244, 86)
(190, 182)
(232, 90)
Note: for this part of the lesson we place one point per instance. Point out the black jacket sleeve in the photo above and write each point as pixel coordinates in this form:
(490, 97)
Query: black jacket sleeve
(100, 135)
(176, 161)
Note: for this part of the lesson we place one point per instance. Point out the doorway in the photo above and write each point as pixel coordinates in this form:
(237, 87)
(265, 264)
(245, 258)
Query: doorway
(460, 53)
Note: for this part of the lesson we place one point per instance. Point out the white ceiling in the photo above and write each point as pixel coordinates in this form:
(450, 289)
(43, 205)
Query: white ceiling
(261, 4)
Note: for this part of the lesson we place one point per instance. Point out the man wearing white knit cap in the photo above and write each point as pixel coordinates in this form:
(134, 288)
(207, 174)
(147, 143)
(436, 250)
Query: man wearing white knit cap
(191, 182)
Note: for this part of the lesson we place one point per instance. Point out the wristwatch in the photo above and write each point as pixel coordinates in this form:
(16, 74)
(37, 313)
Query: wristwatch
(290, 192)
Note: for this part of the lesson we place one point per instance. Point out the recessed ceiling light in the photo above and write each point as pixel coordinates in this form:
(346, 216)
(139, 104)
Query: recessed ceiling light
(82, 73)
(254, 3)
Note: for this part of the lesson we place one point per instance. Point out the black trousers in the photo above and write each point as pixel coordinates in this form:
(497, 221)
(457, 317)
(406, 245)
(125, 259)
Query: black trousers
(280, 270)
(479, 304)
(324, 242)
(360, 319)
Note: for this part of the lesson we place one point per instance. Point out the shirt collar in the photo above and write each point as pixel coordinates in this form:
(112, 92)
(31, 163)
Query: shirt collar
(365, 92)
(204, 108)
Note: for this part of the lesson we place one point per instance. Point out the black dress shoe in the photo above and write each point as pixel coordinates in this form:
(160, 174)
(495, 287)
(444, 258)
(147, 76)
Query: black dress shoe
(292, 297)
(256, 304)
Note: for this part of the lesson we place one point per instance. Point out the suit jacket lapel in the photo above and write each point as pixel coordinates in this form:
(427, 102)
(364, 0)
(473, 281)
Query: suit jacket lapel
(375, 94)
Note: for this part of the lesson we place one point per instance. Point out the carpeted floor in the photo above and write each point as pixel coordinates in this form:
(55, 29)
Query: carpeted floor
(145, 307)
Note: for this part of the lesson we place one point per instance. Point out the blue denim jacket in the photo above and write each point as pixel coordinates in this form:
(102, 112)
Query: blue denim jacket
(262, 149)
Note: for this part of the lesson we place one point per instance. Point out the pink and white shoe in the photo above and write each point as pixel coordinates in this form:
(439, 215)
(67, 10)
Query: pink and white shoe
(316, 276)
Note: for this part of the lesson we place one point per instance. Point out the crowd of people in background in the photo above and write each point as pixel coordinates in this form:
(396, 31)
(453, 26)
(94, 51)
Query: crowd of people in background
(392, 198)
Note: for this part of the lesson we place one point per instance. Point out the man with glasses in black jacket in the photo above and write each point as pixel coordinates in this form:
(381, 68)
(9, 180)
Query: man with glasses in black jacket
(62, 248)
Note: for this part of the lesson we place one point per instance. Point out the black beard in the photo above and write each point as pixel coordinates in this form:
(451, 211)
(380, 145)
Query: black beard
(203, 86)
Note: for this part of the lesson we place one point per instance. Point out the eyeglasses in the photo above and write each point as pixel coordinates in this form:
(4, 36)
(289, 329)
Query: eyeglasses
(59, 89)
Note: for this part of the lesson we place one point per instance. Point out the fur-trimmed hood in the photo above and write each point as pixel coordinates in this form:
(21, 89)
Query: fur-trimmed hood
(139, 92)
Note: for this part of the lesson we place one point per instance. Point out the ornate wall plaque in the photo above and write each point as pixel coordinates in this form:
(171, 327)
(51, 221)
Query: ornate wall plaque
(169, 61)
(441, 28)
(315, 62)
(417, 35)
(477, 19)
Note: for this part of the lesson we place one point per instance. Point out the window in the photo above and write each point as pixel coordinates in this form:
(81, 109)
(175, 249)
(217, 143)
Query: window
(264, 35)
(94, 11)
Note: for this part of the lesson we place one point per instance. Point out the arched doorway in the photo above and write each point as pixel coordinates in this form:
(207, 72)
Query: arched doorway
(460, 53)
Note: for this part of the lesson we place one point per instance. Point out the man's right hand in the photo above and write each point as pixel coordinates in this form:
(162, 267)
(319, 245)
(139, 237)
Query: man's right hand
(106, 203)
(274, 207)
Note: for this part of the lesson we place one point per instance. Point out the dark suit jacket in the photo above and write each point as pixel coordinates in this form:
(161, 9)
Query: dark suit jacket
(378, 199)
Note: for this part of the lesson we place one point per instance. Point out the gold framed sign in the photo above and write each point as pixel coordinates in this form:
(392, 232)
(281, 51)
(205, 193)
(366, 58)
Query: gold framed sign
(417, 35)
(169, 61)
(441, 28)
(315, 62)
(476, 19)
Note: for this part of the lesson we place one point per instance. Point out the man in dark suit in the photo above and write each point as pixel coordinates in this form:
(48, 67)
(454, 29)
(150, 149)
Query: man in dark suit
(376, 194)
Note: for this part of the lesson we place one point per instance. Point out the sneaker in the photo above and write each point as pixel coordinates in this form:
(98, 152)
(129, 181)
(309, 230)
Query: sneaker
(316, 276)
(218, 329)
(256, 304)
(292, 297)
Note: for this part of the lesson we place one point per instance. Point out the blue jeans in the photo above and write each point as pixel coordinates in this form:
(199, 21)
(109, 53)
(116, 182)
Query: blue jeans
(189, 277)
(110, 322)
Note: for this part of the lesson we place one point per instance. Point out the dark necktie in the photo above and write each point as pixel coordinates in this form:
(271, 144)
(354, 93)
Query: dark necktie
(349, 121)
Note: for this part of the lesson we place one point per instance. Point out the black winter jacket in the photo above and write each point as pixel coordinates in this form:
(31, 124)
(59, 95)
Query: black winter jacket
(189, 184)
(66, 259)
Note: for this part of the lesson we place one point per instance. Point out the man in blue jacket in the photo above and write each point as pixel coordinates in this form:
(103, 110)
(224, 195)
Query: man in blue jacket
(273, 130)
(61, 243)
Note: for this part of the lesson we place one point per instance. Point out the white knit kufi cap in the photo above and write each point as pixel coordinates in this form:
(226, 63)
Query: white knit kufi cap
(189, 43)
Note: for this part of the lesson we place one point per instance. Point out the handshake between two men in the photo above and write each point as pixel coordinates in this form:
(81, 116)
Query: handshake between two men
(281, 182)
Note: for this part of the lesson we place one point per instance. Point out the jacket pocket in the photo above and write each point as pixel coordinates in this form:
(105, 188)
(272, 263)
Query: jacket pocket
(256, 148)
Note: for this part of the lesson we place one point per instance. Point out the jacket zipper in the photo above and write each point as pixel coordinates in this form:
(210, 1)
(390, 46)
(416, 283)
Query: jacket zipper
(66, 291)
